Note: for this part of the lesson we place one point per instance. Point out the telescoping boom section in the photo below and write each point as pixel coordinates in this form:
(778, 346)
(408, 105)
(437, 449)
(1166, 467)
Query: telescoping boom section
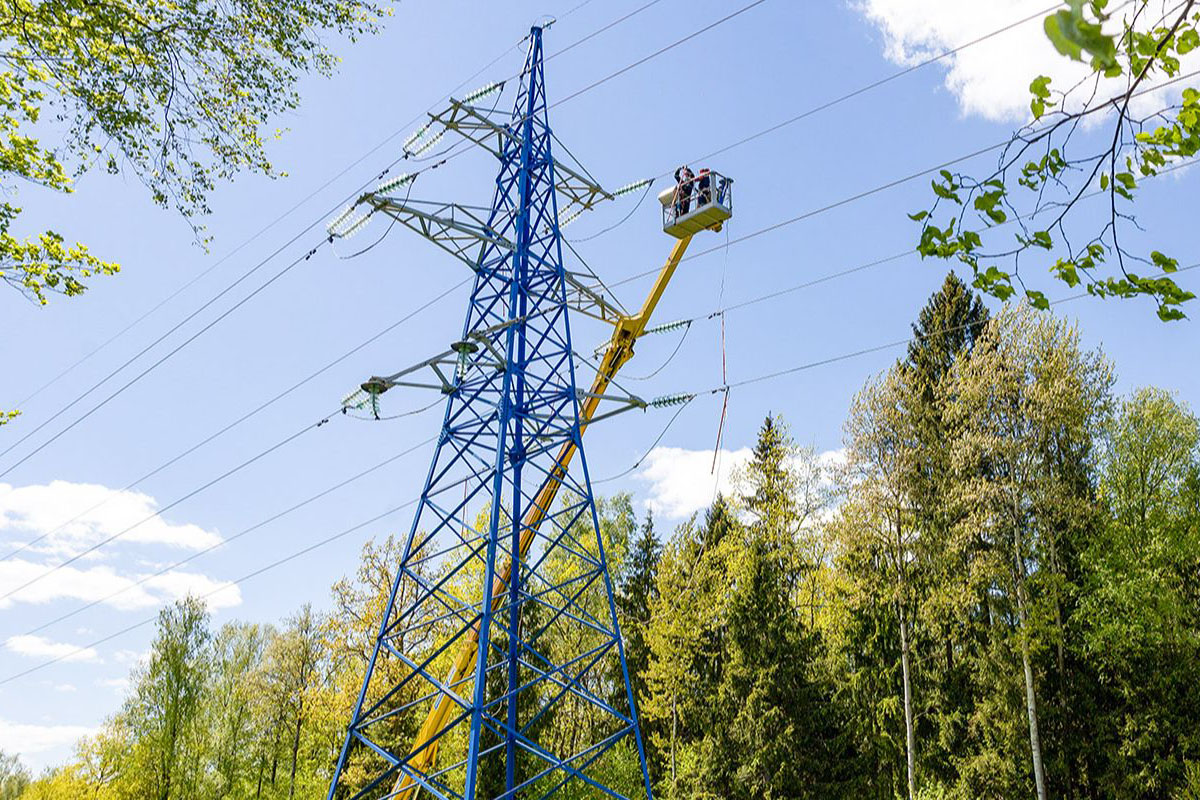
(616, 354)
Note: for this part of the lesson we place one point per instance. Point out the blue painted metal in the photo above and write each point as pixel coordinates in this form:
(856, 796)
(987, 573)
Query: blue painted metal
(501, 435)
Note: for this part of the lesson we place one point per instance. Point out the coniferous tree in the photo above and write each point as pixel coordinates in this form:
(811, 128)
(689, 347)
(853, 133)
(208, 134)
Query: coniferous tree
(636, 593)
(945, 333)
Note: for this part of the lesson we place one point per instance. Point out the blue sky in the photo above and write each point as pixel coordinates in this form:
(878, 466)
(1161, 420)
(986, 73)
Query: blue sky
(766, 65)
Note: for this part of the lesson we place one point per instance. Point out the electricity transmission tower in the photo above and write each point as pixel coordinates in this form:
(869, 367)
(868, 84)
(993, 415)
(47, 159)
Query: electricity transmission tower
(501, 617)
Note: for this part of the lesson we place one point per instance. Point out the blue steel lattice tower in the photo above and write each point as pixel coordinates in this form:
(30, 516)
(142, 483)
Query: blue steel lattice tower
(464, 685)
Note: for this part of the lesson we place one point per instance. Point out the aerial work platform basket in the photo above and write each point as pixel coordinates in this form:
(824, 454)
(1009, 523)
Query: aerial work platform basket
(702, 203)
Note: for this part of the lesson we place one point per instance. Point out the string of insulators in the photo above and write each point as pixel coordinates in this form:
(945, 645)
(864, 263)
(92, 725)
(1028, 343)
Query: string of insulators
(633, 187)
(574, 215)
(335, 225)
(395, 183)
(415, 135)
(666, 327)
(482, 92)
(346, 224)
(355, 225)
(671, 400)
(428, 143)
(358, 400)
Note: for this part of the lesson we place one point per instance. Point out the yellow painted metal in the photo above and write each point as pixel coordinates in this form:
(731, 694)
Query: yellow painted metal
(618, 352)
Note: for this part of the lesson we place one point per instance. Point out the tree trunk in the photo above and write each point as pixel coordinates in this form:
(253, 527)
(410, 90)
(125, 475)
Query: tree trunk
(674, 728)
(910, 739)
(1035, 744)
(295, 751)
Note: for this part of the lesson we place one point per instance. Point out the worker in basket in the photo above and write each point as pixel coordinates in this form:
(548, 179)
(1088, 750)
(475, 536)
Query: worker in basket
(703, 188)
(683, 191)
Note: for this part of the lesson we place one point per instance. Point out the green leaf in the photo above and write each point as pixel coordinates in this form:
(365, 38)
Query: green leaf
(1169, 314)
(1053, 27)
(917, 217)
(1072, 34)
(1037, 299)
(1163, 262)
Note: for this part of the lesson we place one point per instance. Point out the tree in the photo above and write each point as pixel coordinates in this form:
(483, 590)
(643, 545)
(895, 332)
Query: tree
(1041, 176)
(876, 530)
(293, 671)
(14, 778)
(735, 705)
(1029, 403)
(946, 331)
(177, 94)
(164, 710)
(636, 592)
(1142, 598)
(230, 710)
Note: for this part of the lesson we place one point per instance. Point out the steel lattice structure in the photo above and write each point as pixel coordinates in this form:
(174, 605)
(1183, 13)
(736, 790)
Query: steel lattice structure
(482, 668)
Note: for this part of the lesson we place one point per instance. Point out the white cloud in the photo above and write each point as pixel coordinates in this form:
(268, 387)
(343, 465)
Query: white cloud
(23, 740)
(990, 79)
(118, 685)
(177, 585)
(682, 481)
(41, 647)
(99, 582)
(832, 459)
(124, 580)
(27, 512)
(65, 687)
(130, 656)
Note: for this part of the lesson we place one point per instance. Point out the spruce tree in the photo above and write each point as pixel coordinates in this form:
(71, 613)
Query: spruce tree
(946, 331)
(636, 593)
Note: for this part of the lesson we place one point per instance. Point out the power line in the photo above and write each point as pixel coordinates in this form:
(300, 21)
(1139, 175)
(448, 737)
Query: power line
(657, 53)
(295, 238)
(248, 576)
(153, 366)
(650, 449)
(873, 85)
(253, 237)
(108, 539)
(428, 304)
(886, 345)
(274, 517)
(596, 32)
(346, 532)
(885, 259)
(196, 335)
(256, 572)
(885, 186)
(741, 238)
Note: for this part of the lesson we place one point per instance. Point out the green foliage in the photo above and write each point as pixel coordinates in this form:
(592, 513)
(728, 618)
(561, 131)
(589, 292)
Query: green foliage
(177, 94)
(1040, 180)
(1141, 605)
(14, 778)
(737, 707)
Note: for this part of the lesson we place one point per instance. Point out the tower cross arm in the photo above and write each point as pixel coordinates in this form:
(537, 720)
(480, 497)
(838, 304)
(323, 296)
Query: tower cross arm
(578, 190)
